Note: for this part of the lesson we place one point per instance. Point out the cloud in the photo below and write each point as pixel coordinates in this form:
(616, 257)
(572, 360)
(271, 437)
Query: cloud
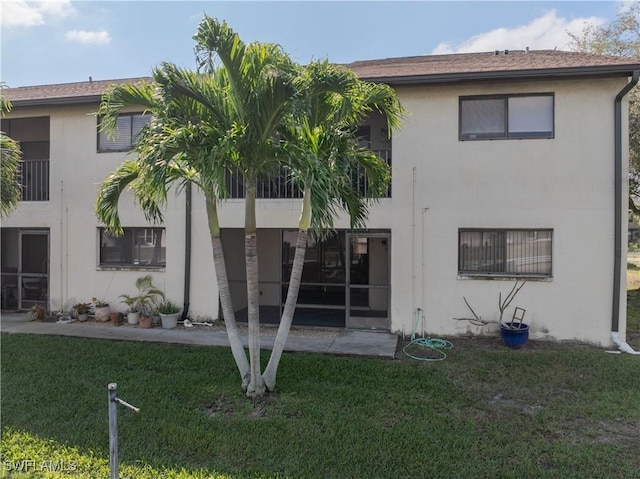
(101, 38)
(543, 33)
(21, 13)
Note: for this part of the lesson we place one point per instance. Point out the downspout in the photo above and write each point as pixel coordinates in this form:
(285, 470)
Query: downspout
(187, 252)
(618, 213)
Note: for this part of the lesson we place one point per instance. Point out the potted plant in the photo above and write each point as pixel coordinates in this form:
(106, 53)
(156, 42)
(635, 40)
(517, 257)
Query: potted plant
(148, 295)
(101, 310)
(38, 312)
(155, 315)
(169, 313)
(514, 333)
(82, 311)
(146, 318)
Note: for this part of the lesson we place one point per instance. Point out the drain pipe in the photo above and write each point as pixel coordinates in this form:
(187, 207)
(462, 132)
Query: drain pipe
(617, 260)
(187, 252)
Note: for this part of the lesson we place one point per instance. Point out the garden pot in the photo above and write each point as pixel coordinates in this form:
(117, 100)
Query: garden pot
(169, 321)
(133, 318)
(145, 322)
(514, 335)
(83, 316)
(102, 313)
(115, 318)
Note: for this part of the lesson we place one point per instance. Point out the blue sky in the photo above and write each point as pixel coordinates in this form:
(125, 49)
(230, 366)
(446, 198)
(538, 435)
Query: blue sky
(61, 41)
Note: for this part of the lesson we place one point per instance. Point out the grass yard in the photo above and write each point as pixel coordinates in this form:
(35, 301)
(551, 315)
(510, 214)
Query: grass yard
(546, 411)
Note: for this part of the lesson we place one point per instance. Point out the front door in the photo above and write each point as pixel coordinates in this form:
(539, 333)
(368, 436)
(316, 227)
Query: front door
(33, 271)
(368, 291)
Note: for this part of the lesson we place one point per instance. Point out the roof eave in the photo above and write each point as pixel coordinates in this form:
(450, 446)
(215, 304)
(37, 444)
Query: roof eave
(536, 74)
(72, 100)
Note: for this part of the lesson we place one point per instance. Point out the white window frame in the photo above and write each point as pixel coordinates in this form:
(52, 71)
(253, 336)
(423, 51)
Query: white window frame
(506, 128)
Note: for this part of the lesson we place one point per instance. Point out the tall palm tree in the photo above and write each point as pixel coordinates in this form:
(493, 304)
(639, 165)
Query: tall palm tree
(260, 93)
(10, 157)
(251, 110)
(203, 125)
(324, 157)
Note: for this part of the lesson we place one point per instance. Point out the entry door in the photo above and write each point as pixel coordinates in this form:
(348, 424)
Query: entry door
(368, 290)
(34, 268)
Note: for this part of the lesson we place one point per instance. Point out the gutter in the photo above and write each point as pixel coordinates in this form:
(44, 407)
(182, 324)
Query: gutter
(187, 253)
(528, 74)
(618, 213)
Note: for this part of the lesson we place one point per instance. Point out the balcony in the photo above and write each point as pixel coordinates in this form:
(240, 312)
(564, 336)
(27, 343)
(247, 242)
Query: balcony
(34, 178)
(279, 186)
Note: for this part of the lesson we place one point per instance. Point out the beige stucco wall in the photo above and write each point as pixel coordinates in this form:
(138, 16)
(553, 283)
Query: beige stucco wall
(439, 185)
(75, 170)
(565, 183)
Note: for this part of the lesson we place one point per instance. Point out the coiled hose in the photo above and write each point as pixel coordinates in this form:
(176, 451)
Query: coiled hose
(436, 344)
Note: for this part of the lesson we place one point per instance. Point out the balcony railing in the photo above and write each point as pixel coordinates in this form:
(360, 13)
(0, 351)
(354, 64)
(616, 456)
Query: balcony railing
(34, 178)
(279, 186)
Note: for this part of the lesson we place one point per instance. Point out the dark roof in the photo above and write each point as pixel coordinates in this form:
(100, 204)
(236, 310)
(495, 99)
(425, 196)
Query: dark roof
(507, 64)
(63, 93)
(498, 65)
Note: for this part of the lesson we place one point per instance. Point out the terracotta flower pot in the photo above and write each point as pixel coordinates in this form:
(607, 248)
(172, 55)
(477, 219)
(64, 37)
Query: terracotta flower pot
(114, 316)
(145, 321)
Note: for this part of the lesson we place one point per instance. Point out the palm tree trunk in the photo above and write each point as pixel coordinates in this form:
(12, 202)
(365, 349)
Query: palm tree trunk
(292, 294)
(231, 326)
(256, 384)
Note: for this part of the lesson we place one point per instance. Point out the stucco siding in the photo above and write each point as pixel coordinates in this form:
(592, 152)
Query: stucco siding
(440, 184)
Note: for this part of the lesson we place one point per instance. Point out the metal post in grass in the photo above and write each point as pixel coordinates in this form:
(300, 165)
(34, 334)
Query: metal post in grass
(112, 389)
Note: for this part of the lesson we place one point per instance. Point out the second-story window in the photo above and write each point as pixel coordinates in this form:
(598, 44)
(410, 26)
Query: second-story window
(506, 116)
(129, 126)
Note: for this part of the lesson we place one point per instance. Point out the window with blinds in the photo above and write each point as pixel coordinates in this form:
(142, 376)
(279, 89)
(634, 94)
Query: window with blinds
(129, 126)
(136, 248)
(507, 116)
(502, 252)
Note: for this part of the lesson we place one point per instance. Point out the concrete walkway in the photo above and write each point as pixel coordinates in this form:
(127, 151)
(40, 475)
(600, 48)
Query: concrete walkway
(325, 341)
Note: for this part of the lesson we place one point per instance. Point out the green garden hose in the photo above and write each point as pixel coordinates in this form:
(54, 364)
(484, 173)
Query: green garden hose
(435, 344)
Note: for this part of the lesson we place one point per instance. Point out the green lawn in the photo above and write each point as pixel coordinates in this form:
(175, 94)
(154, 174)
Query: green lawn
(546, 411)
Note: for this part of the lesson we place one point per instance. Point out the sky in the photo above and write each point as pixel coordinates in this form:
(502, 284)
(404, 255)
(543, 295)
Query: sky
(65, 41)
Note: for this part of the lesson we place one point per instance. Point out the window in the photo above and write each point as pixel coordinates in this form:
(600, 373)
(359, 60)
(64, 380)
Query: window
(137, 247)
(486, 252)
(507, 116)
(129, 126)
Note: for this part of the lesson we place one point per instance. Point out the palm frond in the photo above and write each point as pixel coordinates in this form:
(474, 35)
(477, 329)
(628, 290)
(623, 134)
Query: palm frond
(119, 97)
(109, 192)
(10, 187)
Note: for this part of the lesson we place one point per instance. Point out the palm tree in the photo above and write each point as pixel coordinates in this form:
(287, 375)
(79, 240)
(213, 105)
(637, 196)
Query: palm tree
(202, 126)
(260, 91)
(10, 154)
(250, 111)
(324, 157)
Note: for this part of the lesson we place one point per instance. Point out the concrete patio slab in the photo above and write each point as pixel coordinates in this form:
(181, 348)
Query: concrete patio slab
(333, 341)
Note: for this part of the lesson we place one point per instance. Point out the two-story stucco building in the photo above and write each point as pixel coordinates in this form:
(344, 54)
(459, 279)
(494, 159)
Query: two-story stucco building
(510, 165)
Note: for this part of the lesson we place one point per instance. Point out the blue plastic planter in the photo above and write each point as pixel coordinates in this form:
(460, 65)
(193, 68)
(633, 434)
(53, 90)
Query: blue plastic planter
(514, 335)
